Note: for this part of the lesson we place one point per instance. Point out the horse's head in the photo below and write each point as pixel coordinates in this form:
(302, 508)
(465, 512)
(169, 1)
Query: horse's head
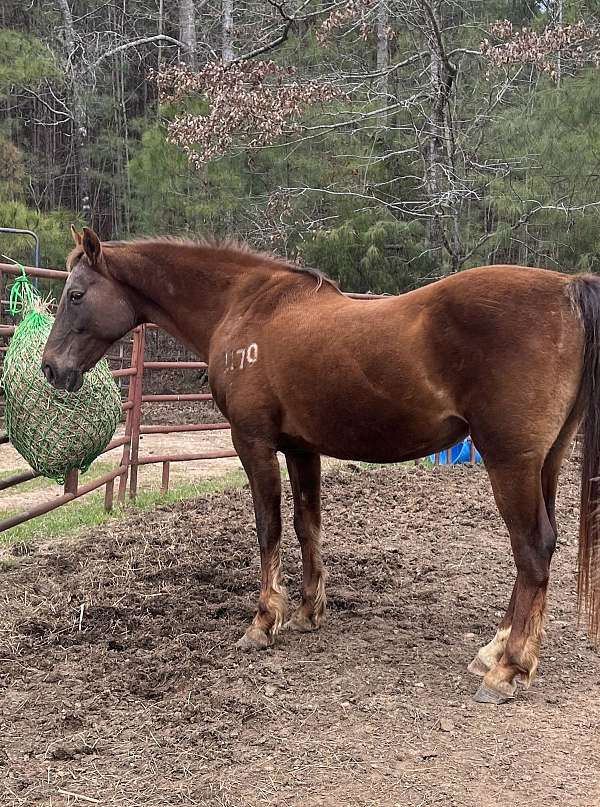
(95, 310)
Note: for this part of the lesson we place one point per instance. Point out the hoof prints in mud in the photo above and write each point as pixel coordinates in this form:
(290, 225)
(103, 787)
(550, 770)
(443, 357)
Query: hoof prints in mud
(142, 699)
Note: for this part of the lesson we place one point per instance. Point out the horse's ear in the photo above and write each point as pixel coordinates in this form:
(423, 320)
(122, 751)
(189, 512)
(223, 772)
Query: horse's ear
(91, 246)
(77, 237)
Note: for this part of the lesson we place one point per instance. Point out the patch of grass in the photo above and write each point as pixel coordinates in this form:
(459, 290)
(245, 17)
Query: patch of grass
(87, 512)
(191, 490)
(33, 484)
(71, 518)
(97, 469)
(12, 472)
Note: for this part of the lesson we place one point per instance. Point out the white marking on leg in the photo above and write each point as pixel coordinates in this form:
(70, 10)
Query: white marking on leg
(320, 600)
(490, 653)
(277, 586)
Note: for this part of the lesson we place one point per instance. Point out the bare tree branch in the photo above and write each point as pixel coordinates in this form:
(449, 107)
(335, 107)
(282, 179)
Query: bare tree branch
(146, 40)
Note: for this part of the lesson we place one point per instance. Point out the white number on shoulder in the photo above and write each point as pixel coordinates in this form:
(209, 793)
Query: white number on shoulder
(241, 357)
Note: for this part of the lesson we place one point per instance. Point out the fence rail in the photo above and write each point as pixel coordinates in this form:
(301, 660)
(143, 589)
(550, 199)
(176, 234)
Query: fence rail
(126, 472)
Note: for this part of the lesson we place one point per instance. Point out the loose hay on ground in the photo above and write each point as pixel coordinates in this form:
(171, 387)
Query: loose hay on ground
(150, 704)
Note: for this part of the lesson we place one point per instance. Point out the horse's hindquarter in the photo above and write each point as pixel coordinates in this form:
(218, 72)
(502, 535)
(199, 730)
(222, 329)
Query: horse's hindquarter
(511, 346)
(392, 379)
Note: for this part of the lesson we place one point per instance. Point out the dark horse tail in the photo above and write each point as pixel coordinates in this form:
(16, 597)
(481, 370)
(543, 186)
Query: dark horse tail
(584, 291)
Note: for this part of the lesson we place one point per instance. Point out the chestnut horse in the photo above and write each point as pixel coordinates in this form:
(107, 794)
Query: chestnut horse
(510, 355)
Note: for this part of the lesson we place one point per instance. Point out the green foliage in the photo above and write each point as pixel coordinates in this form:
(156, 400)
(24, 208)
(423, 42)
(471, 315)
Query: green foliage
(560, 142)
(168, 196)
(371, 253)
(12, 171)
(52, 229)
(24, 60)
(341, 199)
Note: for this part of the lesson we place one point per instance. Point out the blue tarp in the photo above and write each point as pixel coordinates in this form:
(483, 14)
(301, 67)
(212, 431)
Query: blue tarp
(458, 454)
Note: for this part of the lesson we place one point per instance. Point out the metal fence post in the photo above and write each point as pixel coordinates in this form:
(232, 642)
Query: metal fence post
(125, 457)
(137, 413)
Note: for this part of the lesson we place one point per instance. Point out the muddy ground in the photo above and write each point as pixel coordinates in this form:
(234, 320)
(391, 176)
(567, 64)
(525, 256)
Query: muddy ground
(140, 698)
(181, 412)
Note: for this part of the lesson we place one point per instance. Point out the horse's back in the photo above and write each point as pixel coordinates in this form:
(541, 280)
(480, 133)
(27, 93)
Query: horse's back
(399, 377)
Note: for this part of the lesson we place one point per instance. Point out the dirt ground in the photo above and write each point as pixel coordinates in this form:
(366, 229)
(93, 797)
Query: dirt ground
(120, 683)
(182, 412)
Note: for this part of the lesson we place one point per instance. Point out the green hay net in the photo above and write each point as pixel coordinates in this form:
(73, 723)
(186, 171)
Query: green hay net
(54, 430)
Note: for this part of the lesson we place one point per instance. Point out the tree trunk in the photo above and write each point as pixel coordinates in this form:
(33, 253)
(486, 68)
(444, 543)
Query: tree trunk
(227, 53)
(77, 92)
(559, 22)
(187, 31)
(434, 156)
(439, 153)
(383, 59)
(160, 31)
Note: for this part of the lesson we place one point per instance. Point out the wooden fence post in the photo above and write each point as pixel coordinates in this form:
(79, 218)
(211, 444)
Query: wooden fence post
(108, 496)
(72, 481)
(164, 486)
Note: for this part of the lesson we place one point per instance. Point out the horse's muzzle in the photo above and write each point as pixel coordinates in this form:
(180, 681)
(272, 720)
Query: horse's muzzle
(67, 378)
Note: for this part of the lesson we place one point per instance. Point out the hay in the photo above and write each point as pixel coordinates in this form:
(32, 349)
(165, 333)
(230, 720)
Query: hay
(54, 430)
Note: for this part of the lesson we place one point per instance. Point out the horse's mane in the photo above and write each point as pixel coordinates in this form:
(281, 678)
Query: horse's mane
(227, 245)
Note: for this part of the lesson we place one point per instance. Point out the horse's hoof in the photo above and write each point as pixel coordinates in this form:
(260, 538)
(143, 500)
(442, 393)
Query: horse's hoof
(486, 695)
(478, 667)
(301, 623)
(253, 639)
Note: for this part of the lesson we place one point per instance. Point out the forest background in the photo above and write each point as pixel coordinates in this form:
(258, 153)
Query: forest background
(387, 142)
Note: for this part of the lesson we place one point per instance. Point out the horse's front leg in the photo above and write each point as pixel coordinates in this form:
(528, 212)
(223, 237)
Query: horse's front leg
(260, 463)
(305, 478)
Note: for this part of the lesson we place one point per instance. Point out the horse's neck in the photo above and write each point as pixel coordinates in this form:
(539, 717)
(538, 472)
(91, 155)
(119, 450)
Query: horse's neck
(185, 289)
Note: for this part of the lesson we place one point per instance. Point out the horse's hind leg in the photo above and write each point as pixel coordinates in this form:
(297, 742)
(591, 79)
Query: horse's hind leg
(519, 495)
(552, 466)
(489, 655)
(305, 478)
(492, 652)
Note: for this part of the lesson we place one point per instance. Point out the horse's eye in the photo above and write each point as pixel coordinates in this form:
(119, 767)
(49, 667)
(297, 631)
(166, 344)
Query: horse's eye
(75, 296)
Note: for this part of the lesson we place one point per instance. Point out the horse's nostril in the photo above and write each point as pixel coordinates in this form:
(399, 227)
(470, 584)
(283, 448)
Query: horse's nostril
(48, 372)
